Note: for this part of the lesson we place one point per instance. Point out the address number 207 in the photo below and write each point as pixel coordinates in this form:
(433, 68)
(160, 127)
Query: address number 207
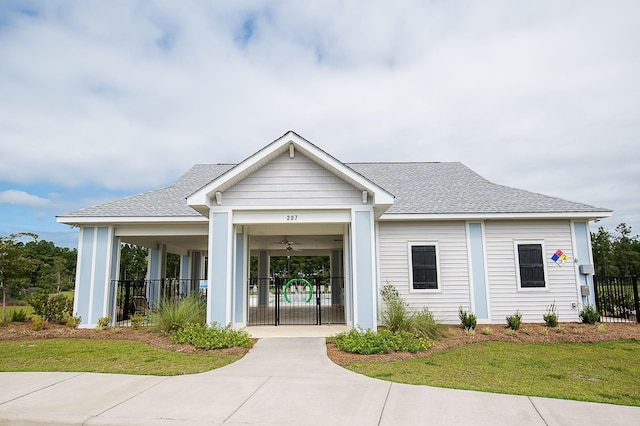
(291, 217)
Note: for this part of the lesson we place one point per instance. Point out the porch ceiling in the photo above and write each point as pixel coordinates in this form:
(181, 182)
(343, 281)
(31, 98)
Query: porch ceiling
(178, 244)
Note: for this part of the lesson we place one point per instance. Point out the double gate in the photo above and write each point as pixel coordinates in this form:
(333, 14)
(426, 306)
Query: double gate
(296, 301)
(617, 298)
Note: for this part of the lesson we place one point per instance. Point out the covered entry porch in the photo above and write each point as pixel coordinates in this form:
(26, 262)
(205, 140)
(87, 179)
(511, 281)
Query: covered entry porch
(298, 278)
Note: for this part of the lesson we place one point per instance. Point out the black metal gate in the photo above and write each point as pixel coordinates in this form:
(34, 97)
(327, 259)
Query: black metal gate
(296, 301)
(617, 298)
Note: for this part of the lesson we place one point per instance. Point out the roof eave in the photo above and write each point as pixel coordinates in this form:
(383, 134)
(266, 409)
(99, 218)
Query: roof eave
(110, 220)
(492, 216)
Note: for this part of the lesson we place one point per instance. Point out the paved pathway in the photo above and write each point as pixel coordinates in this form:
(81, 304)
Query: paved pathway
(282, 381)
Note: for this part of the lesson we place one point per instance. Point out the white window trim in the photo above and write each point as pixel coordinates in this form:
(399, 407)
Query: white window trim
(516, 243)
(410, 244)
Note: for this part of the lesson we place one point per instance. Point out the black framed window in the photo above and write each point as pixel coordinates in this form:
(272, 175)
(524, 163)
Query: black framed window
(423, 267)
(531, 264)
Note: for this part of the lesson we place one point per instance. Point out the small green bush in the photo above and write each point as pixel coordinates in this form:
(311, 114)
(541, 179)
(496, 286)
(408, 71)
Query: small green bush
(551, 316)
(38, 322)
(103, 323)
(174, 315)
(213, 337)
(397, 316)
(425, 325)
(589, 315)
(467, 319)
(487, 331)
(54, 308)
(18, 315)
(74, 322)
(369, 342)
(137, 321)
(395, 313)
(513, 321)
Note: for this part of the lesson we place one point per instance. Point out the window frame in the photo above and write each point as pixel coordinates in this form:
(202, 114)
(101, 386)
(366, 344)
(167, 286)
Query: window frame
(516, 245)
(410, 246)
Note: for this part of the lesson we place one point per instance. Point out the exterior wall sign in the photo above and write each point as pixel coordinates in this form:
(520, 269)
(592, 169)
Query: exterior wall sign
(559, 257)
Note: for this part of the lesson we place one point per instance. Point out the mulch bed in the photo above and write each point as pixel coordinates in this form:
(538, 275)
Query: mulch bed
(24, 331)
(456, 336)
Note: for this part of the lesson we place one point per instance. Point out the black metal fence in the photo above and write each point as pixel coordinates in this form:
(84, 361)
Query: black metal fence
(617, 298)
(139, 296)
(296, 301)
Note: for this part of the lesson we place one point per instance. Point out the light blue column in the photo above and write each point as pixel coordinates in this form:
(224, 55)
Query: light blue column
(83, 276)
(219, 269)
(185, 274)
(263, 278)
(337, 277)
(97, 266)
(239, 284)
(476, 243)
(364, 263)
(115, 275)
(583, 245)
(155, 272)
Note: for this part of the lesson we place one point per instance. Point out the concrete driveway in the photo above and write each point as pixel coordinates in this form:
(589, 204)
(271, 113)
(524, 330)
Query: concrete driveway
(281, 381)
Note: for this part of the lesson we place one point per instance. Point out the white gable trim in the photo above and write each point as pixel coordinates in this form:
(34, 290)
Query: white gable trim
(290, 143)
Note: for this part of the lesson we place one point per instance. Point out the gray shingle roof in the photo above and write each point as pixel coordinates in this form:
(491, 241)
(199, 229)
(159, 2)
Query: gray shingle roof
(419, 188)
(448, 188)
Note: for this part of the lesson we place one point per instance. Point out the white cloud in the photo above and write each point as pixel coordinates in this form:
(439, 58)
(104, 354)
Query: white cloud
(542, 96)
(21, 198)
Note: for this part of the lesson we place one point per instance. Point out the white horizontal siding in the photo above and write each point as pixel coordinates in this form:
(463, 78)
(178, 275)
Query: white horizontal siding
(561, 286)
(292, 182)
(452, 263)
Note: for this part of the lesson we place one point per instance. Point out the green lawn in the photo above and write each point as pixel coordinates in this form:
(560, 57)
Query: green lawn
(104, 356)
(606, 372)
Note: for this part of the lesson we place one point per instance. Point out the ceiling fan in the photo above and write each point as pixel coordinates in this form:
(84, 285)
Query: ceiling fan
(286, 242)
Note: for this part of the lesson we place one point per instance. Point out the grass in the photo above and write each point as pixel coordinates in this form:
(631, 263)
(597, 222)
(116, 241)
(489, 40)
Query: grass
(27, 308)
(607, 372)
(104, 356)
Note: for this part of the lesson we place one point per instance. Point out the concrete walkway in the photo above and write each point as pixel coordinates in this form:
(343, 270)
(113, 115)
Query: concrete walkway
(281, 381)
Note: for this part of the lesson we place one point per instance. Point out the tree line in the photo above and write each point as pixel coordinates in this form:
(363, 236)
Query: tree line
(616, 254)
(28, 263)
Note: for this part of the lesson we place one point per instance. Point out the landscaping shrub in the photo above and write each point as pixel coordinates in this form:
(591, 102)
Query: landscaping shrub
(589, 315)
(137, 321)
(467, 319)
(213, 337)
(174, 315)
(425, 325)
(551, 317)
(74, 322)
(18, 315)
(397, 316)
(38, 322)
(369, 342)
(513, 321)
(54, 308)
(103, 323)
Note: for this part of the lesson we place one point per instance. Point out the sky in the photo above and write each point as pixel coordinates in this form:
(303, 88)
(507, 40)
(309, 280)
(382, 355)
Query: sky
(101, 100)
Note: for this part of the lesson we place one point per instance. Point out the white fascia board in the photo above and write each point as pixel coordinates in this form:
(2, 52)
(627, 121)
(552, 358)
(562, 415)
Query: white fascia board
(200, 200)
(489, 216)
(82, 220)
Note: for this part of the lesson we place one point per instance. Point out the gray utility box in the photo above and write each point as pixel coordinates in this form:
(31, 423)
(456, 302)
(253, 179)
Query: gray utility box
(585, 290)
(586, 269)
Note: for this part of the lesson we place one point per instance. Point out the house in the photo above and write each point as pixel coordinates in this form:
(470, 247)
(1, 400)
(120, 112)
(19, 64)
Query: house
(442, 235)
